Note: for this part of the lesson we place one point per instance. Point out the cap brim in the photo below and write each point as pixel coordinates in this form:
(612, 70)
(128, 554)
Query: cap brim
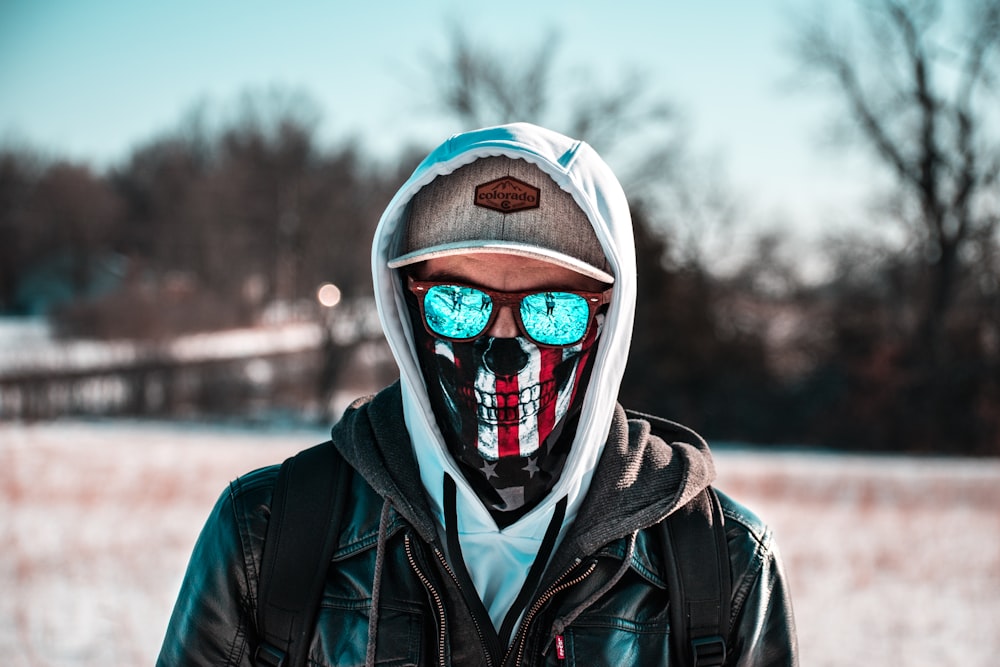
(502, 248)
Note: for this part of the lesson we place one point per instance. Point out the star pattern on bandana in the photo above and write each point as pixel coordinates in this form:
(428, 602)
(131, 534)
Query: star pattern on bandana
(531, 468)
(489, 470)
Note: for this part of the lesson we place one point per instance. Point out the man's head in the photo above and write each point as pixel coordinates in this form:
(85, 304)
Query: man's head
(507, 283)
(501, 205)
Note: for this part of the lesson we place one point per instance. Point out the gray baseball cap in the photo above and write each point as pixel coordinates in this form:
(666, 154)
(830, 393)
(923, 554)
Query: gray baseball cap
(501, 205)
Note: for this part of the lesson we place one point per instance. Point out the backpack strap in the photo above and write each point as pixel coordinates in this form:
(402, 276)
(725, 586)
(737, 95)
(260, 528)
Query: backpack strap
(302, 532)
(698, 577)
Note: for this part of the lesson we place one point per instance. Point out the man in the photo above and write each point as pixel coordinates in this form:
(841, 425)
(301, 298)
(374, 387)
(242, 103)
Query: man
(503, 509)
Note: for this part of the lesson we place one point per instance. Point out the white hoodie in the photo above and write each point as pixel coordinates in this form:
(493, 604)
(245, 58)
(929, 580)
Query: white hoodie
(498, 560)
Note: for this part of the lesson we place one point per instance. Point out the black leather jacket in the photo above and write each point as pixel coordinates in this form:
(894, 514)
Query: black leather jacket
(604, 599)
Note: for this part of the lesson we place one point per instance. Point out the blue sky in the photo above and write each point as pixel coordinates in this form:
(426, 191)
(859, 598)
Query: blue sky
(90, 80)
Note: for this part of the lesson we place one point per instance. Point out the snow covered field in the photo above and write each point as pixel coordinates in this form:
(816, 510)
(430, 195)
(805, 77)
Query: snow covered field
(892, 561)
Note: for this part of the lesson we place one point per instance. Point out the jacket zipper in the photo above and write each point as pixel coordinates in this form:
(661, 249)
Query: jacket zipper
(557, 587)
(435, 596)
(475, 621)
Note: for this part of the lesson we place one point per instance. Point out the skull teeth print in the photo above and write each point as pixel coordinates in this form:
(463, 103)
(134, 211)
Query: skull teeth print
(513, 408)
(502, 398)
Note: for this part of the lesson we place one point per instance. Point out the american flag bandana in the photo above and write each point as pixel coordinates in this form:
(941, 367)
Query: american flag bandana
(507, 408)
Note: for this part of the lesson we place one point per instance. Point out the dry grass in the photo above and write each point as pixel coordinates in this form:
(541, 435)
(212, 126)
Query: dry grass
(891, 561)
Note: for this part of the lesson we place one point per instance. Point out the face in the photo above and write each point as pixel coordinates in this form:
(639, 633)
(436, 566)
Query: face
(501, 395)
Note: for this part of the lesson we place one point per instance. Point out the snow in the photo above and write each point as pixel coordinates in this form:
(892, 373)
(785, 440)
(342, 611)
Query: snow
(891, 560)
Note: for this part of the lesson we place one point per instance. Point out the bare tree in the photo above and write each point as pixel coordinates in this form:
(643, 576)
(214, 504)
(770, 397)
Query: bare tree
(19, 174)
(479, 85)
(643, 135)
(919, 90)
(482, 88)
(683, 361)
(76, 212)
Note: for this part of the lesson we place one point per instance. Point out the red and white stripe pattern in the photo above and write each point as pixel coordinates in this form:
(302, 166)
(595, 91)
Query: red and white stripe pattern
(515, 412)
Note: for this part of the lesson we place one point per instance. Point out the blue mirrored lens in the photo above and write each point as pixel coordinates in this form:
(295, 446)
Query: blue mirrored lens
(454, 311)
(555, 318)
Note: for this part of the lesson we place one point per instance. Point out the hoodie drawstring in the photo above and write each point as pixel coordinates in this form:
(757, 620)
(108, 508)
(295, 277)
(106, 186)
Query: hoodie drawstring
(383, 530)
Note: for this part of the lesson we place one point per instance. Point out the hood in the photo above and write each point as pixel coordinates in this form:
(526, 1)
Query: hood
(650, 467)
(578, 170)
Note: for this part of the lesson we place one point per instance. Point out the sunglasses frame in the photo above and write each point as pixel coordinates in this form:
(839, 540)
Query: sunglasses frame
(512, 300)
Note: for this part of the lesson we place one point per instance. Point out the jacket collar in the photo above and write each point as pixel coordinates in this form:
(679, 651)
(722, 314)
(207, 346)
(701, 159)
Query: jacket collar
(640, 479)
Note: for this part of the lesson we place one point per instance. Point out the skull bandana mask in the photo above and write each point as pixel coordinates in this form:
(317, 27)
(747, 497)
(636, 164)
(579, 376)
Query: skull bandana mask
(507, 409)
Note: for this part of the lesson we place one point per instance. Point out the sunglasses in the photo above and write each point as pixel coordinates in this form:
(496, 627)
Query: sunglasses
(554, 318)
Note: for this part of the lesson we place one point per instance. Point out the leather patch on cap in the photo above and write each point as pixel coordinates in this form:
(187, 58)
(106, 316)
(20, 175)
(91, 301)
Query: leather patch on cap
(507, 195)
